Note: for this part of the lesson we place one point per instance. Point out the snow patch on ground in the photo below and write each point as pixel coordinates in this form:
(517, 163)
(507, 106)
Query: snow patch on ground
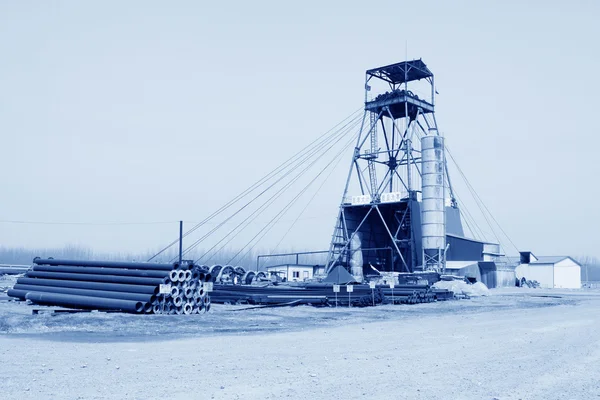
(464, 288)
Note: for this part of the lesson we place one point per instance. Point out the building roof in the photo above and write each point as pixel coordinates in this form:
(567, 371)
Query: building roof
(550, 259)
(339, 275)
(292, 266)
(469, 239)
(401, 72)
(459, 264)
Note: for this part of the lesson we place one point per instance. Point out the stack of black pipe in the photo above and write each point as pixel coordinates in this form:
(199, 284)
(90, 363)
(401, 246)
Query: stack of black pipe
(323, 294)
(413, 294)
(314, 294)
(101, 285)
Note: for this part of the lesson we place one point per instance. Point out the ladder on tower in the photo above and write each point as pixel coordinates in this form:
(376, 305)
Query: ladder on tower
(373, 155)
(338, 242)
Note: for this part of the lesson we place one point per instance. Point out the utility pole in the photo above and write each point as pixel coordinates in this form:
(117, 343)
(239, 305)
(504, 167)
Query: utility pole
(180, 241)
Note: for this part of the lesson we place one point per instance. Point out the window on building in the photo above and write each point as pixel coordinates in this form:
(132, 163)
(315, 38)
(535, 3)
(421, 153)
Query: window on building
(296, 274)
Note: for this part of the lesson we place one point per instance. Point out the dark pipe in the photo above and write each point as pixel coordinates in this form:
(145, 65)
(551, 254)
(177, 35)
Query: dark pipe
(20, 294)
(95, 303)
(115, 287)
(102, 271)
(87, 292)
(107, 264)
(131, 280)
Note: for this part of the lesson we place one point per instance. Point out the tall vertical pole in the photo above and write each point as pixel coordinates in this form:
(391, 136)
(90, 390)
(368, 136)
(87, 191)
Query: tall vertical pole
(180, 241)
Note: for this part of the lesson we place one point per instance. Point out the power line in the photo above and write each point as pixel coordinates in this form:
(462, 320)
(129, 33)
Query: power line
(277, 217)
(481, 204)
(306, 206)
(264, 179)
(300, 163)
(84, 223)
(248, 220)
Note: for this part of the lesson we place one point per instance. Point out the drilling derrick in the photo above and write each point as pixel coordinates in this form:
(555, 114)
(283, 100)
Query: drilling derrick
(398, 211)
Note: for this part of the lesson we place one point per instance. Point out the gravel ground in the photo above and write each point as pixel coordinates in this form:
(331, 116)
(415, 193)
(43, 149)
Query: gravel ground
(515, 344)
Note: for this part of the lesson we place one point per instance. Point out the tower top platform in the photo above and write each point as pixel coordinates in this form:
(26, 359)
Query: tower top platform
(397, 103)
(405, 71)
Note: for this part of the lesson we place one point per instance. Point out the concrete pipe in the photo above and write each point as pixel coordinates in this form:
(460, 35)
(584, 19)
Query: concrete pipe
(105, 264)
(177, 301)
(194, 286)
(187, 308)
(94, 303)
(157, 309)
(180, 275)
(115, 287)
(188, 275)
(174, 276)
(174, 291)
(196, 274)
(178, 310)
(86, 292)
(188, 293)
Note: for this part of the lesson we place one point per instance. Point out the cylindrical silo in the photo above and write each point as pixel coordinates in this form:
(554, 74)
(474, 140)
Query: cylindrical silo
(433, 221)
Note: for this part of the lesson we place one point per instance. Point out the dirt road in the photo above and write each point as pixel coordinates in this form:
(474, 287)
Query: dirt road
(512, 345)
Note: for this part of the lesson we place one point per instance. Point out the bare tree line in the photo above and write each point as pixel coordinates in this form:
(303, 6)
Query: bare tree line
(25, 256)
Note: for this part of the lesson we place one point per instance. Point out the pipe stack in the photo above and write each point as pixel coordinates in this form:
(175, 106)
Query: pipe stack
(323, 294)
(409, 294)
(314, 294)
(187, 292)
(115, 286)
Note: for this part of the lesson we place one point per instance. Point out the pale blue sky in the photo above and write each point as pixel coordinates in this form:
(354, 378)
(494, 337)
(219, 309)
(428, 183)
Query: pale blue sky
(146, 111)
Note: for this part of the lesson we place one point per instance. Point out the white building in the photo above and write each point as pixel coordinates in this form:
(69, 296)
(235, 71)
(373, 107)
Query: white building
(551, 272)
(295, 272)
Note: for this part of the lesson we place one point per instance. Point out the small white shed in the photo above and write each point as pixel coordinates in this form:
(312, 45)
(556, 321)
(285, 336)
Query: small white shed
(295, 272)
(551, 272)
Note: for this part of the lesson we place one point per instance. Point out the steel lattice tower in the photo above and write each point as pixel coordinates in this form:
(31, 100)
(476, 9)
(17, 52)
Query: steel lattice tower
(397, 186)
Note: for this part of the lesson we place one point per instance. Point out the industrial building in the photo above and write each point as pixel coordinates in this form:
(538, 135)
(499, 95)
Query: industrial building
(561, 272)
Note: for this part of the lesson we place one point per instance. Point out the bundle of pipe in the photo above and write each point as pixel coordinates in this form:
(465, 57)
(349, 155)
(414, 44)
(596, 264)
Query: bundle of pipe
(443, 294)
(409, 294)
(104, 285)
(186, 292)
(315, 294)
